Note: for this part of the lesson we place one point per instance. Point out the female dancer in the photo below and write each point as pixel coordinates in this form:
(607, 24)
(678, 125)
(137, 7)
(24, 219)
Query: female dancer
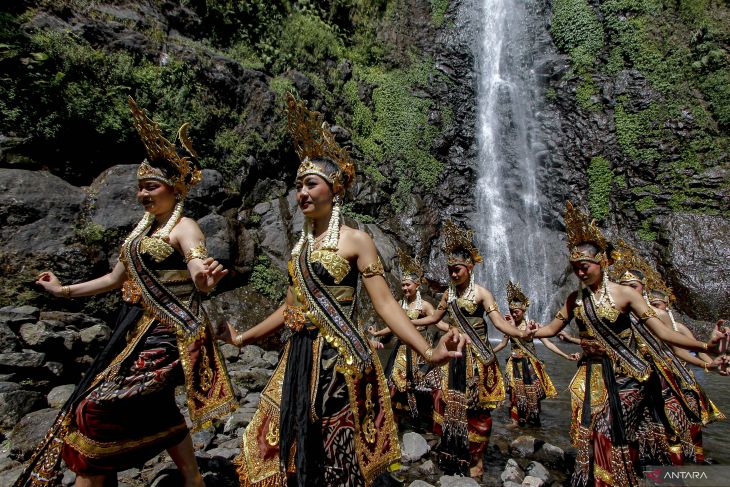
(611, 425)
(325, 416)
(470, 386)
(404, 370)
(526, 379)
(123, 412)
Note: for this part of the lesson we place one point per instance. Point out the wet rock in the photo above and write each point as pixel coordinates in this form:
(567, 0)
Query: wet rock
(550, 455)
(427, 468)
(251, 356)
(509, 483)
(456, 481)
(512, 472)
(8, 477)
(71, 340)
(419, 483)
(59, 395)
(531, 481)
(523, 446)
(230, 352)
(236, 420)
(31, 430)
(54, 368)
(9, 387)
(75, 320)
(537, 470)
(114, 198)
(252, 379)
(413, 447)
(69, 478)
(227, 453)
(203, 438)
(271, 358)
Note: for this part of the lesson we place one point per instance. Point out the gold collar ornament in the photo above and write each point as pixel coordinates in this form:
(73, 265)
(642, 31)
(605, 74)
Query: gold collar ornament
(516, 298)
(459, 245)
(186, 173)
(314, 140)
(581, 229)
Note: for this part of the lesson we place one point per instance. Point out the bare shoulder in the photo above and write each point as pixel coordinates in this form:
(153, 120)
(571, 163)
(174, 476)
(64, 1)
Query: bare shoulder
(187, 224)
(355, 235)
(484, 293)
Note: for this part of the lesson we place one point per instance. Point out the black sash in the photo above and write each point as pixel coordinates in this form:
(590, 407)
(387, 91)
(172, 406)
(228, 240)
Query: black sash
(524, 348)
(615, 346)
(483, 350)
(327, 314)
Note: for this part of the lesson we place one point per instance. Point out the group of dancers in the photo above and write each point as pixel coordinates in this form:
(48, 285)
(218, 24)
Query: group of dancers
(327, 417)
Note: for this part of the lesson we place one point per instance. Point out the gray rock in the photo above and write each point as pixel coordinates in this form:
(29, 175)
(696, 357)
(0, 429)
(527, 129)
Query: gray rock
(203, 438)
(509, 483)
(250, 356)
(129, 473)
(24, 361)
(550, 454)
(252, 379)
(537, 470)
(230, 352)
(523, 445)
(16, 404)
(512, 472)
(9, 387)
(457, 481)
(227, 453)
(413, 447)
(419, 483)
(69, 478)
(95, 337)
(235, 421)
(271, 357)
(273, 232)
(8, 340)
(8, 477)
(69, 319)
(15, 316)
(531, 481)
(55, 368)
(71, 340)
(114, 198)
(220, 237)
(6, 463)
(427, 468)
(31, 430)
(40, 336)
(59, 395)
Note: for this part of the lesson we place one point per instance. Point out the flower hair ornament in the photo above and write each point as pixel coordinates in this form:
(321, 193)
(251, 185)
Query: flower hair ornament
(516, 298)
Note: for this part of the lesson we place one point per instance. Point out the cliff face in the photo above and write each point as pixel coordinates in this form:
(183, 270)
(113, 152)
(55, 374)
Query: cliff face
(632, 124)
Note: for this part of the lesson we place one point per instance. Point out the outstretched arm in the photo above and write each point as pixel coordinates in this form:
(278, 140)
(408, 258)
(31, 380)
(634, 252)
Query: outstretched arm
(112, 280)
(568, 338)
(506, 327)
(502, 344)
(554, 348)
(561, 319)
(268, 326)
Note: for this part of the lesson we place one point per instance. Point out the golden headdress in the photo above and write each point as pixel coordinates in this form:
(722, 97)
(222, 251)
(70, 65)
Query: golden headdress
(459, 245)
(516, 298)
(660, 291)
(410, 269)
(582, 230)
(164, 161)
(631, 267)
(314, 141)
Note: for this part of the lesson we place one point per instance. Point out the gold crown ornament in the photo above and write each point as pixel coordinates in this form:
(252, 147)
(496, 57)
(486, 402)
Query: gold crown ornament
(313, 141)
(459, 245)
(516, 298)
(631, 267)
(186, 172)
(410, 269)
(581, 230)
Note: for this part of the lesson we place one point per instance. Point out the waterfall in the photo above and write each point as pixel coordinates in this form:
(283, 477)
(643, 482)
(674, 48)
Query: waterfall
(508, 221)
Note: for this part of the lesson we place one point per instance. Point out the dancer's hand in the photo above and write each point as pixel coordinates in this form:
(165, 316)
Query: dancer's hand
(562, 336)
(574, 356)
(718, 342)
(449, 346)
(229, 334)
(49, 282)
(376, 344)
(372, 330)
(212, 273)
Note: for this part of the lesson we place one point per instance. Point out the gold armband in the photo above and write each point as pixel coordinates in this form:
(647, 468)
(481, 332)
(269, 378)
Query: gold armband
(428, 355)
(374, 269)
(197, 252)
(560, 316)
(705, 366)
(66, 291)
(493, 307)
(649, 313)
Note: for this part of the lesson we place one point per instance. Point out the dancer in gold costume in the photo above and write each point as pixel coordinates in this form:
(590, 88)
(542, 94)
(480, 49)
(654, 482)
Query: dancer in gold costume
(525, 376)
(123, 412)
(325, 416)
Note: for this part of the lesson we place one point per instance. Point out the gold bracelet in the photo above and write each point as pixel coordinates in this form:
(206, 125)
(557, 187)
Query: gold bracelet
(705, 365)
(704, 345)
(197, 252)
(238, 340)
(428, 355)
(66, 291)
(374, 269)
(649, 313)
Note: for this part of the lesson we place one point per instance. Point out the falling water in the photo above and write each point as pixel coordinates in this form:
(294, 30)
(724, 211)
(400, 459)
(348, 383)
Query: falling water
(508, 220)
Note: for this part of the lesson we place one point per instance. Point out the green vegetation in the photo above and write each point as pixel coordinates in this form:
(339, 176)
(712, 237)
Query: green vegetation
(268, 279)
(600, 182)
(438, 11)
(576, 29)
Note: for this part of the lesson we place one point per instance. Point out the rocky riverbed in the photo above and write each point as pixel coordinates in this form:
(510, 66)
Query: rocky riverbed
(44, 353)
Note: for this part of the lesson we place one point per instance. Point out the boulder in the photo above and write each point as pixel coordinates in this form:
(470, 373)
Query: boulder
(14, 316)
(227, 453)
(95, 337)
(427, 468)
(114, 198)
(8, 340)
(24, 362)
(413, 447)
(220, 237)
(58, 396)
(456, 481)
(537, 470)
(523, 445)
(31, 429)
(512, 472)
(253, 379)
(551, 455)
(41, 337)
(419, 483)
(531, 481)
